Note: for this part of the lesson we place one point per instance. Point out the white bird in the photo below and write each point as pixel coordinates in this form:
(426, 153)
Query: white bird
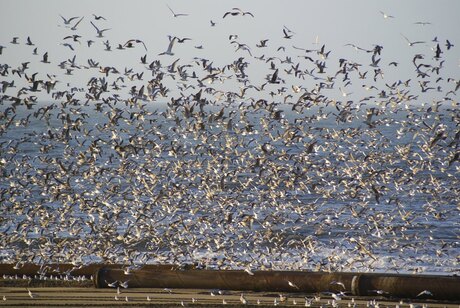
(32, 295)
(336, 297)
(425, 292)
(338, 283)
(385, 15)
(243, 300)
(291, 284)
(411, 43)
(248, 270)
(111, 284)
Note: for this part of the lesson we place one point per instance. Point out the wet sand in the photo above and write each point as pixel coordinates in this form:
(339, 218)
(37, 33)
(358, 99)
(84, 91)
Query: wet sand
(92, 297)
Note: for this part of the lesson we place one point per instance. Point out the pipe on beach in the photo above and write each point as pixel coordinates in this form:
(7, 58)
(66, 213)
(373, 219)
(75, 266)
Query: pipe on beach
(435, 287)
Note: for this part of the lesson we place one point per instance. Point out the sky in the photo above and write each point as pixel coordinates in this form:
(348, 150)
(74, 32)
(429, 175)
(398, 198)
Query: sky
(332, 23)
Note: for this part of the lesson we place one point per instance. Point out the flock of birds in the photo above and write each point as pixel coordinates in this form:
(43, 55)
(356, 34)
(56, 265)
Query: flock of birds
(175, 161)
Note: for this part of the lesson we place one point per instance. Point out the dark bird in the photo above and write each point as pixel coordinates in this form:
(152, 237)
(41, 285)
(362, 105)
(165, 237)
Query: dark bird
(182, 40)
(237, 11)
(286, 34)
(130, 43)
(422, 23)
(100, 33)
(263, 43)
(98, 17)
(74, 37)
(29, 41)
(45, 58)
(274, 77)
(68, 21)
(74, 27)
(438, 51)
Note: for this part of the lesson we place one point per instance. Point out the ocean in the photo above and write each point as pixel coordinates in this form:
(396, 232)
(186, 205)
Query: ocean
(231, 186)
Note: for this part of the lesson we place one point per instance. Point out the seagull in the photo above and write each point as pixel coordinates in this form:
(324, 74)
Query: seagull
(176, 14)
(385, 15)
(243, 300)
(291, 284)
(248, 270)
(169, 50)
(29, 42)
(32, 295)
(45, 58)
(74, 27)
(130, 43)
(68, 45)
(98, 17)
(286, 34)
(425, 292)
(423, 23)
(15, 40)
(338, 283)
(100, 33)
(237, 11)
(111, 284)
(68, 21)
(263, 43)
(242, 47)
(411, 43)
(344, 94)
(74, 37)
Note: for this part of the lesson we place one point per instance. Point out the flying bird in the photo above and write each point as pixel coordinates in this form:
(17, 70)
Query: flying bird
(68, 21)
(385, 15)
(237, 11)
(74, 27)
(130, 43)
(100, 33)
(170, 46)
(411, 43)
(425, 292)
(98, 17)
(176, 14)
(29, 42)
(422, 23)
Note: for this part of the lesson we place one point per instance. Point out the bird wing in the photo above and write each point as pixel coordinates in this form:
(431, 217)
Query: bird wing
(405, 38)
(171, 44)
(171, 10)
(97, 29)
(78, 22)
(144, 45)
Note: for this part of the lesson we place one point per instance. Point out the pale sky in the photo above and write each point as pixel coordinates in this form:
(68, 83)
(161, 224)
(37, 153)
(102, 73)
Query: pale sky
(334, 23)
